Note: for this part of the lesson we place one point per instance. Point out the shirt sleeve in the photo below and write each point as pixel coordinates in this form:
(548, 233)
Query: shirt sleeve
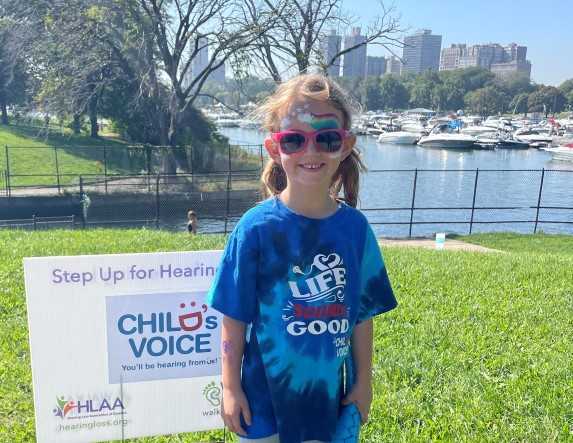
(233, 292)
(377, 295)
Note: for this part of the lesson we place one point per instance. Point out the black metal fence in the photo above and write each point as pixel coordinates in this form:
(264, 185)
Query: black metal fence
(417, 203)
(58, 167)
(398, 203)
(124, 188)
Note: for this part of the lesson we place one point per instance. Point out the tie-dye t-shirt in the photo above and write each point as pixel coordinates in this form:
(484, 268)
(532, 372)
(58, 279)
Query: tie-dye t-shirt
(301, 285)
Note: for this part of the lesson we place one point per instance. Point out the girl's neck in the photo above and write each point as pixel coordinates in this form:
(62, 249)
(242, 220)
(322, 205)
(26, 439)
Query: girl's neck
(309, 204)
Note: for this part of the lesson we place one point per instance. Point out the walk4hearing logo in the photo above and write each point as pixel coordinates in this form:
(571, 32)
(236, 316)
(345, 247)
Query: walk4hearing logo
(212, 393)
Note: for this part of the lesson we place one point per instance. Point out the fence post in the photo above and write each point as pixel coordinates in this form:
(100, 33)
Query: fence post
(230, 168)
(157, 212)
(413, 202)
(539, 201)
(105, 168)
(474, 200)
(57, 167)
(228, 200)
(81, 180)
(7, 172)
(33, 222)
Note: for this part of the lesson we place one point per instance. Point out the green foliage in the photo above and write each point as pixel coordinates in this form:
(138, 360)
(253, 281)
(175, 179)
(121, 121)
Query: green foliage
(371, 93)
(546, 99)
(485, 100)
(394, 93)
(480, 348)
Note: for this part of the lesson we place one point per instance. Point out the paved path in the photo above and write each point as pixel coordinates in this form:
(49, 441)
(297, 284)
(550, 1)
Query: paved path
(423, 242)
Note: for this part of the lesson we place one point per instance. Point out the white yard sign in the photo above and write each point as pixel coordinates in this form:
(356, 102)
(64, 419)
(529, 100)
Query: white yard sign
(123, 346)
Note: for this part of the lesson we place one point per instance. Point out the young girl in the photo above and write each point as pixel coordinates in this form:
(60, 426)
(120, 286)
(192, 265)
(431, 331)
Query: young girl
(301, 277)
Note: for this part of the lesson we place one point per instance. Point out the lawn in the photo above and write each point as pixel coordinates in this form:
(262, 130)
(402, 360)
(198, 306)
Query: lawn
(34, 160)
(480, 348)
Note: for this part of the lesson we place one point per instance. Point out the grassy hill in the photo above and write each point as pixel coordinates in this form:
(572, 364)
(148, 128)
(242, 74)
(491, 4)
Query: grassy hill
(34, 157)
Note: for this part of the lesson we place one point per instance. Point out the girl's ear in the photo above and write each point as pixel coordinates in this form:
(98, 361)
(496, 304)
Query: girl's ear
(273, 150)
(349, 143)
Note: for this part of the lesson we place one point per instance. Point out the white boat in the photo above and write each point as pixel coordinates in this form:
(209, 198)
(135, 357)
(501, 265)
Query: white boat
(563, 152)
(418, 124)
(399, 137)
(444, 136)
(535, 136)
(227, 121)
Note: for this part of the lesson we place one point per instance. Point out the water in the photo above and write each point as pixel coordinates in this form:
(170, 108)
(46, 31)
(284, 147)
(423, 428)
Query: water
(379, 156)
(445, 181)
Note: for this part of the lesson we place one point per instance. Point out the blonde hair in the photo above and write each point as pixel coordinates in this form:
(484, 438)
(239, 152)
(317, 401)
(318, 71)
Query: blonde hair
(317, 87)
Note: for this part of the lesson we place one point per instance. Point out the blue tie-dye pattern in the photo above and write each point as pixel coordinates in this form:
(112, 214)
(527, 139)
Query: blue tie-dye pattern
(293, 383)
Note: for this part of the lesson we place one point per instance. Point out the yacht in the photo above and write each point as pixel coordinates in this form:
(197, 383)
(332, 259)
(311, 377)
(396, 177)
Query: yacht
(444, 136)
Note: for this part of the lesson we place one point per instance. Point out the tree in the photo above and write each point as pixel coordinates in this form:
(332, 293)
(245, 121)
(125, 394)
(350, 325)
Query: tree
(547, 99)
(485, 100)
(394, 94)
(370, 93)
(151, 45)
(425, 90)
(293, 44)
(519, 104)
(12, 73)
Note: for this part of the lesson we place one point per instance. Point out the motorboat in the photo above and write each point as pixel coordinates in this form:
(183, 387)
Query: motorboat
(535, 136)
(445, 136)
(399, 137)
(415, 125)
(562, 152)
(501, 143)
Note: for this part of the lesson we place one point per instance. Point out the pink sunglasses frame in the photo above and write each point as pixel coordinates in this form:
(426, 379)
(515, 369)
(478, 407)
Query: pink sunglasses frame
(277, 136)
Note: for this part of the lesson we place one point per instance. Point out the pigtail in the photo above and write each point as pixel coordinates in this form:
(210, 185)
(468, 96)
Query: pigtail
(273, 180)
(347, 179)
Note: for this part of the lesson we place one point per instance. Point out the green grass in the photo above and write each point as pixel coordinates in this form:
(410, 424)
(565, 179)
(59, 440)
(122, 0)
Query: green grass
(480, 348)
(31, 156)
(530, 243)
(34, 160)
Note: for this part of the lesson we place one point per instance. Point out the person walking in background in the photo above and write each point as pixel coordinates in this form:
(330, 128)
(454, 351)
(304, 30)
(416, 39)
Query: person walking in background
(192, 223)
(301, 277)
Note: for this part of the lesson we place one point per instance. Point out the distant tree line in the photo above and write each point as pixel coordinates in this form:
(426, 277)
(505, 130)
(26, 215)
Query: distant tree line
(475, 90)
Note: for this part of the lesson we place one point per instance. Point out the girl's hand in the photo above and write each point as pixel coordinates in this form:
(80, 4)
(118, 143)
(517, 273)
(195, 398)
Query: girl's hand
(361, 395)
(234, 404)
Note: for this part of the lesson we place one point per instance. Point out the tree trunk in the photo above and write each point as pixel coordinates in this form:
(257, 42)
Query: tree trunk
(76, 125)
(3, 105)
(93, 117)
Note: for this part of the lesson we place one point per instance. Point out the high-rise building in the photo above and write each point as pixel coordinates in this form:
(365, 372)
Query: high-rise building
(393, 65)
(421, 51)
(201, 59)
(375, 65)
(451, 57)
(200, 62)
(330, 47)
(492, 56)
(354, 64)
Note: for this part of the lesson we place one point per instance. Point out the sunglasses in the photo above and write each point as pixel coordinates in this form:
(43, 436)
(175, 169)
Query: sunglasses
(326, 140)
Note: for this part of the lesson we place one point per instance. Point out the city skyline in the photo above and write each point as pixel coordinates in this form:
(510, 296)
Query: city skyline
(522, 22)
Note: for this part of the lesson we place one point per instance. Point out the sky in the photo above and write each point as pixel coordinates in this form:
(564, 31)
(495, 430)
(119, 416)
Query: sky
(543, 26)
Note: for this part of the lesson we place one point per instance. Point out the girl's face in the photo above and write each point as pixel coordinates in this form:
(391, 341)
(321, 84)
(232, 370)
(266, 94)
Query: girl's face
(310, 166)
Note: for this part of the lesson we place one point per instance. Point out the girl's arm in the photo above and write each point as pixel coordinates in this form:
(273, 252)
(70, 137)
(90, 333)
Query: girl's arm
(234, 399)
(361, 342)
